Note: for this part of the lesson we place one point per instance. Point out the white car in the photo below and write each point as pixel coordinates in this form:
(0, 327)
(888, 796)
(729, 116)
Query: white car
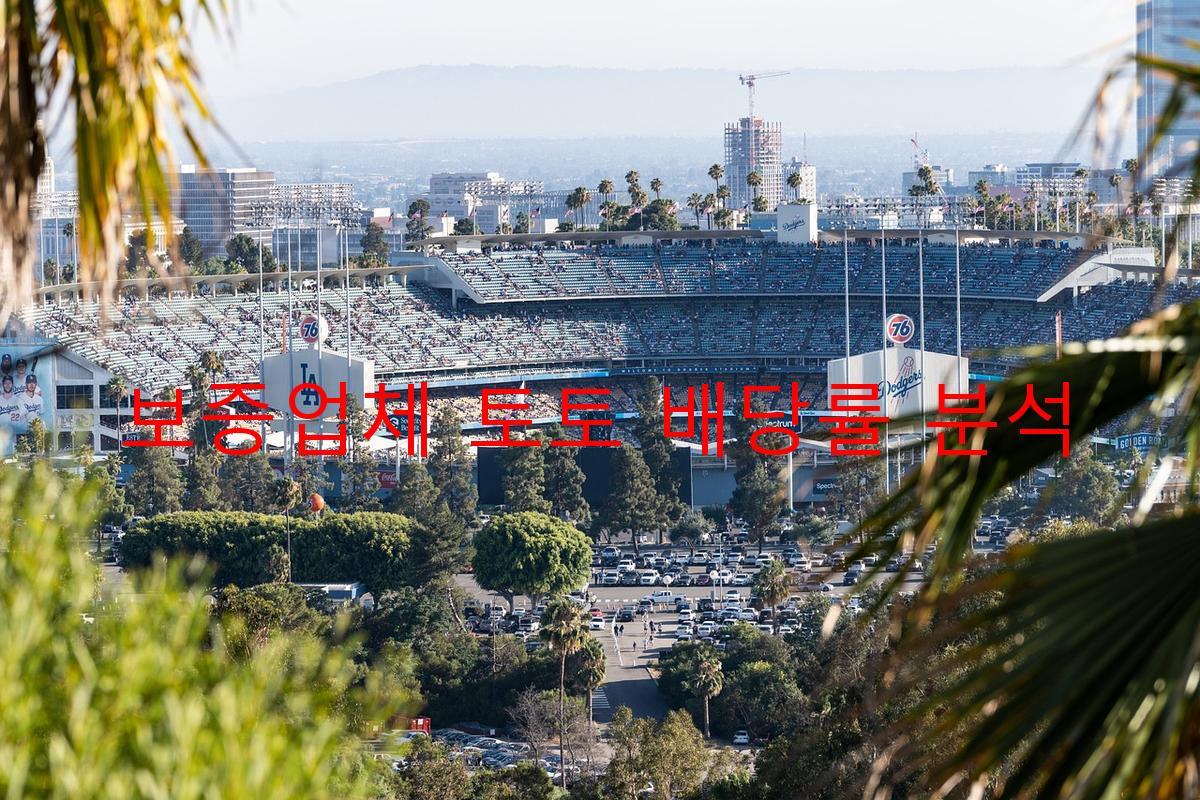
(734, 595)
(741, 737)
(706, 628)
(648, 577)
(742, 579)
(723, 577)
(699, 558)
(685, 615)
(597, 623)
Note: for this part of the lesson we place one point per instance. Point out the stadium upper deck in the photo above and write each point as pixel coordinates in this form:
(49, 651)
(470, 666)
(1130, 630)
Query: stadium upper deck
(752, 268)
(417, 330)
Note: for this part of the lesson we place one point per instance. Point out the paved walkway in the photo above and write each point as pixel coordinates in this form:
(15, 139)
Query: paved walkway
(627, 682)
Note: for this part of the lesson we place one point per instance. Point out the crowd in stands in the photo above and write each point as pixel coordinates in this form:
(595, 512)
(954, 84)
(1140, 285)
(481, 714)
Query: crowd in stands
(414, 331)
(758, 268)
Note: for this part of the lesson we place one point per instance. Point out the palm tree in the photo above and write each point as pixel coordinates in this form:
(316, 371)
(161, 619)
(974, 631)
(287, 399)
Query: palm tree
(606, 189)
(132, 82)
(632, 177)
(774, 584)
(563, 629)
(706, 683)
(591, 675)
(754, 181)
(723, 194)
(118, 390)
(793, 181)
(585, 201)
(695, 202)
(1137, 202)
(656, 186)
(710, 205)
(212, 363)
(716, 172)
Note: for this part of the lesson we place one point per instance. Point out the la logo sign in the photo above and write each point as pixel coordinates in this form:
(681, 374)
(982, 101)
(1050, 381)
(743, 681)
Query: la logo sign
(899, 328)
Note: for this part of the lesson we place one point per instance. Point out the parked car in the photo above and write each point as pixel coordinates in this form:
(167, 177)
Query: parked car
(625, 614)
(597, 624)
(741, 737)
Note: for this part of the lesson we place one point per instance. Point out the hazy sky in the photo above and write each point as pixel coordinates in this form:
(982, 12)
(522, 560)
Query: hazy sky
(282, 44)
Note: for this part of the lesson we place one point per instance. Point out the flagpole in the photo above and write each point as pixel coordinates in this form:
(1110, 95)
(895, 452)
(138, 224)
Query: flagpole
(846, 284)
(958, 310)
(921, 314)
(887, 467)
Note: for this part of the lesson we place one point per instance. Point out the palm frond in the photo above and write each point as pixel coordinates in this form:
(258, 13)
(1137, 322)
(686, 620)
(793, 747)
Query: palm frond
(126, 71)
(1085, 681)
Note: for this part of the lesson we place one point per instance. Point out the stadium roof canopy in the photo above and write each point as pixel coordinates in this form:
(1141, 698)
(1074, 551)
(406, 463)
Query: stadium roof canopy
(453, 243)
(1072, 239)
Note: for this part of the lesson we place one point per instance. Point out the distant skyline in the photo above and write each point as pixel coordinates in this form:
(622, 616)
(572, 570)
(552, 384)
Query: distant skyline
(279, 45)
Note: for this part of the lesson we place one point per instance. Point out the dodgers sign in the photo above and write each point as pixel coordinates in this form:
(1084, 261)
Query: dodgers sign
(900, 328)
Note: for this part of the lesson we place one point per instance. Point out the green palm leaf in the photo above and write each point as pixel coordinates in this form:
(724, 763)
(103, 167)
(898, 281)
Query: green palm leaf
(1086, 676)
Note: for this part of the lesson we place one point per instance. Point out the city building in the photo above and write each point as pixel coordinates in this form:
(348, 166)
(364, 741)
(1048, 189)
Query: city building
(808, 180)
(488, 198)
(217, 204)
(943, 175)
(1166, 30)
(754, 145)
(994, 174)
(1063, 178)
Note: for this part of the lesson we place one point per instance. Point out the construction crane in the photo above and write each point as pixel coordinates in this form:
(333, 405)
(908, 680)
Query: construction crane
(749, 81)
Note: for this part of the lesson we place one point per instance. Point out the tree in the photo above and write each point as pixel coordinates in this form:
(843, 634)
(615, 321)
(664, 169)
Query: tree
(524, 478)
(35, 441)
(156, 486)
(202, 482)
(860, 486)
(439, 537)
(1084, 488)
(633, 503)
(754, 180)
(248, 484)
(428, 773)
(450, 464)
(271, 719)
(706, 683)
(418, 212)
(656, 186)
(657, 450)
(253, 616)
(773, 584)
(590, 674)
(695, 202)
(670, 755)
(794, 182)
(463, 227)
(758, 499)
(716, 172)
(606, 189)
(691, 529)
(531, 554)
(191, 251)
(360, 470)
(110, 505)
(243, 255)
(564, 630)
(564, 481)
(759, 204)
(375, 246)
